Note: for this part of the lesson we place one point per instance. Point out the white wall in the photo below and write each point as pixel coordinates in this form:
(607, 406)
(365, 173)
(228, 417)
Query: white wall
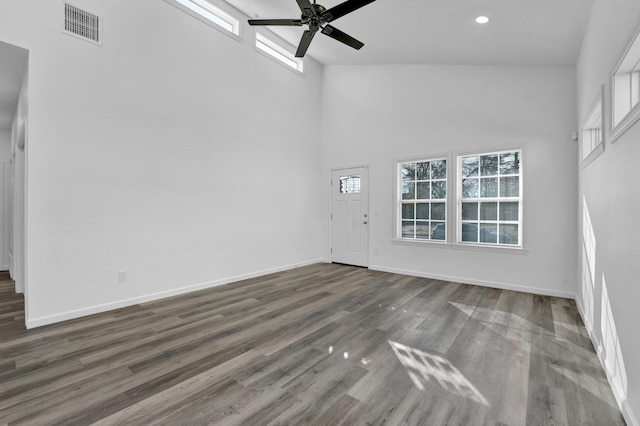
(132, 149)
(376, 114)
(609, 187)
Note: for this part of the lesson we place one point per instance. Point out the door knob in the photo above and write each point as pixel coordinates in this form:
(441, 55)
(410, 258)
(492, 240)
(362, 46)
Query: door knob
(365, 222)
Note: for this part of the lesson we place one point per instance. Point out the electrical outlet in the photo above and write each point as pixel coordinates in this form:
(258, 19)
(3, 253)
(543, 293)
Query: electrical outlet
(122, 276)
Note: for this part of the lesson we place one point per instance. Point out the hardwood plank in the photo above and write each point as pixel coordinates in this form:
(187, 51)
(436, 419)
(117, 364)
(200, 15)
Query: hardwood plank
(322, 344)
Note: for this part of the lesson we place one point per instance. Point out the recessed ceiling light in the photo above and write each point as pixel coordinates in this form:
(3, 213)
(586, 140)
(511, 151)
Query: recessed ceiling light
(482, 19)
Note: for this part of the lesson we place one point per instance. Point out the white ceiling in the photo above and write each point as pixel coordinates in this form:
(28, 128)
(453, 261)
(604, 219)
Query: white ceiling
(521, 32)
(12, 64)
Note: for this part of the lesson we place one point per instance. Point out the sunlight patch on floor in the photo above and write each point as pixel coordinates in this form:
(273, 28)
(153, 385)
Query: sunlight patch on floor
(500, 318)
(423, 368)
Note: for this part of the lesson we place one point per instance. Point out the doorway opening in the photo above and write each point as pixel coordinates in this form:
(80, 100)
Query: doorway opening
(13, 164)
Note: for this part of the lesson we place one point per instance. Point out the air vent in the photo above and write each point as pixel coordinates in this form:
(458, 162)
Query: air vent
(83, 24)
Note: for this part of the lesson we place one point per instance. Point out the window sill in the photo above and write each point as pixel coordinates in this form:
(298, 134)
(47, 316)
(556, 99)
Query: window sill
(490, 248)
(625, 124)
(593, 155)
(424, 243)
(459, 246)
(279, 62)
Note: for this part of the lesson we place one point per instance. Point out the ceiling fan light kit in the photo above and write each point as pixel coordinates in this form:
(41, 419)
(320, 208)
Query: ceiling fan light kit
(317, 18)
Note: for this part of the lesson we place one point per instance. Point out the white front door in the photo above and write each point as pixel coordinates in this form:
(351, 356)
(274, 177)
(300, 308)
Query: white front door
(350, 216)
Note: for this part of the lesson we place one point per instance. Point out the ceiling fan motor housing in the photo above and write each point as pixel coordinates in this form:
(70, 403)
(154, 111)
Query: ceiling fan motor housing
(315, 20)
(319, 8)
(317, 17)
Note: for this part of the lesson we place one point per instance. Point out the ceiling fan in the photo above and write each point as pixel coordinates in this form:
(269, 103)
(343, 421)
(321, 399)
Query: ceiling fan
(317, 17)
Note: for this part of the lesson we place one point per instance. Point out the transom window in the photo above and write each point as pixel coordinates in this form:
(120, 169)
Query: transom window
(626, 87)
(278, 52)
(627, 91)
(592, 137)
(592, 131)
(209, 14)
(423, 199)
(490, 198)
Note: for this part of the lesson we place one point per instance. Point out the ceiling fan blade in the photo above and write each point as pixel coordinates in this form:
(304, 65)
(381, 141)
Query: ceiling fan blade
(286, 22)
(343, 8)
(345, 38)
(306, 7)
(304, 43)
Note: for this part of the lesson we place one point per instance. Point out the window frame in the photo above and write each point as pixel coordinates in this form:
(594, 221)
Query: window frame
(234, 22)
(457, 240)
(596, 113)
(276, 50)
(398, 201)
(626, 70)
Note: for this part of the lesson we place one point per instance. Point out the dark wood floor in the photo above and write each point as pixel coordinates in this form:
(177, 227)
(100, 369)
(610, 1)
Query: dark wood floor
(324, 344)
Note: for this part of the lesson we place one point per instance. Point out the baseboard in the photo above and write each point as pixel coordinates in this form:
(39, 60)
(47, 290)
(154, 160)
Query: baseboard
(492, 284)
(627, 413)
(65, 316)
(621, 399)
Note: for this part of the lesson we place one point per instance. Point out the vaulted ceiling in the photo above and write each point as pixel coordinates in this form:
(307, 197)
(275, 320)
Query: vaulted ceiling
(520, 32)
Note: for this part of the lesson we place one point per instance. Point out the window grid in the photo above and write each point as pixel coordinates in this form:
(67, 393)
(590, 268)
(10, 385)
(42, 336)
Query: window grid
(490, 201)
(423, 199)
(349, 184)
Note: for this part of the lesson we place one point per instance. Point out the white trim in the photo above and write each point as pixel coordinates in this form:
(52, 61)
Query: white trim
(490, 247)
(467, 246)
(22, 145)
(623, 403)
(77, 313)
(423, 243)
(481, 283)
(627, 122)
(599, 149)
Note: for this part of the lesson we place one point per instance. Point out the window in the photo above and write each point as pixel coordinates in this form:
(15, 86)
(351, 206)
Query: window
(209, 14)
(626, 88)
(349, 184)
(592, 133)
(490, 199)
(422, 204)
(277, 52)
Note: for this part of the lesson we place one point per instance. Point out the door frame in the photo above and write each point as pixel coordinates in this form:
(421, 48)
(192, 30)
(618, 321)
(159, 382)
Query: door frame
(18, 267)
(368, 230)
